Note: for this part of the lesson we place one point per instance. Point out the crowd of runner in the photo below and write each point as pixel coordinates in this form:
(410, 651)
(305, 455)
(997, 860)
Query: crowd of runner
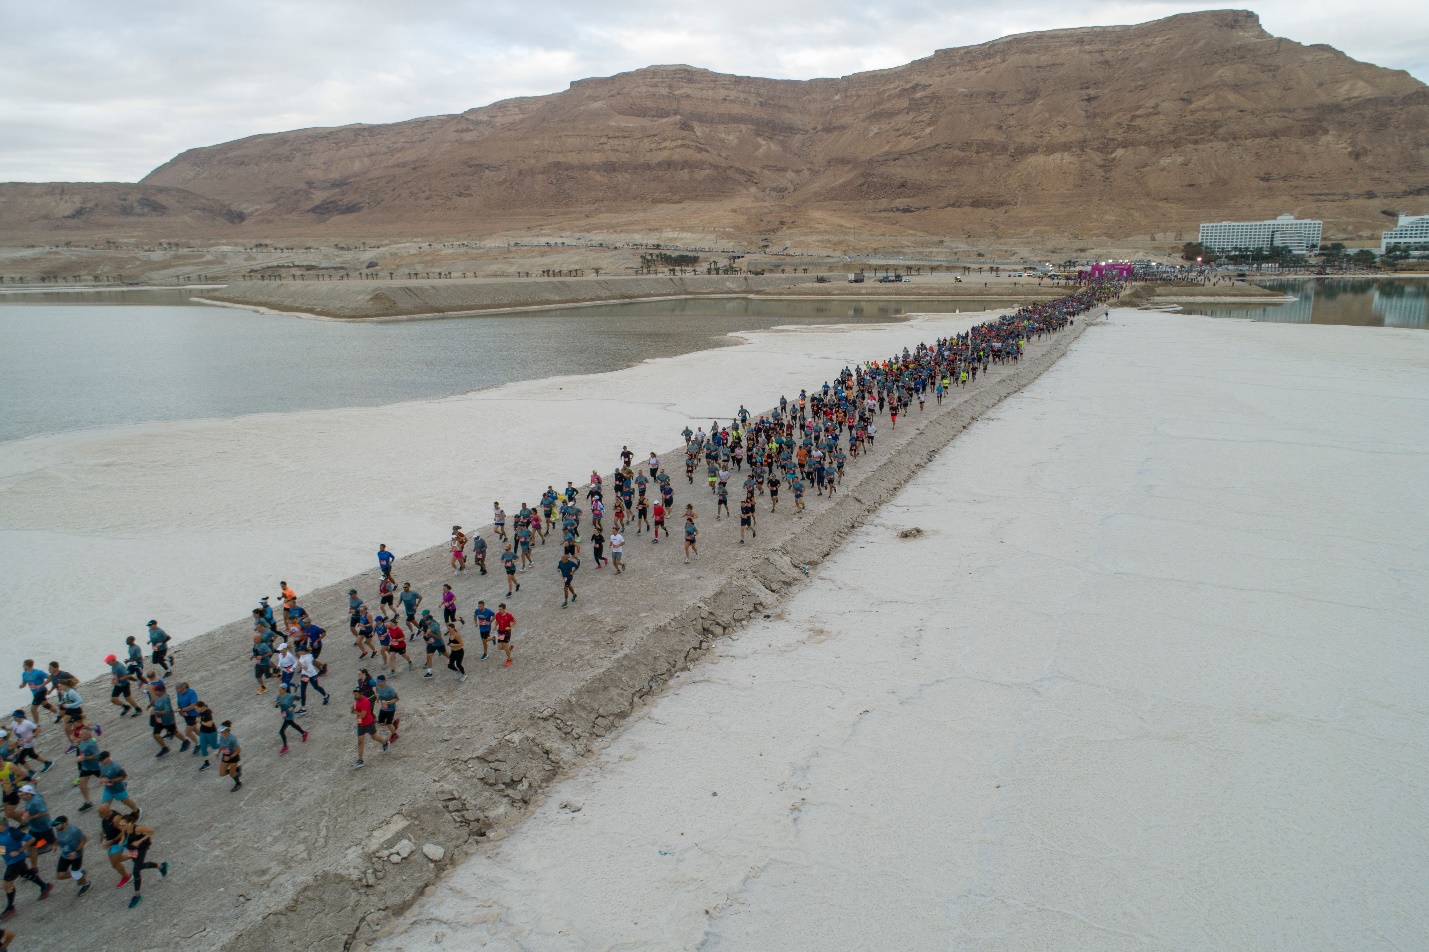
(800, 447)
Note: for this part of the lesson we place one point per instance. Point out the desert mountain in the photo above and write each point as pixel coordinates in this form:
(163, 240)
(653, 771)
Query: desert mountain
(1100, 131)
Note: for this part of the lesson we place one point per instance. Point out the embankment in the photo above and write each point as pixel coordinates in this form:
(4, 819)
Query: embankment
(354, 300)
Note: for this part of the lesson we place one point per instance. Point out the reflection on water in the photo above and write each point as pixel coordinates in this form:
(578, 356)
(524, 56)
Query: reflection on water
(134, 358)
(1369, 302)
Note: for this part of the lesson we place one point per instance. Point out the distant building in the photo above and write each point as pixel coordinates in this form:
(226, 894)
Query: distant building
(1298, 236)
(1411, 234)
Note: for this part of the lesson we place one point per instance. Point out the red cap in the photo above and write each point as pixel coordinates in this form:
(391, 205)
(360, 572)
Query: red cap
(110, 660)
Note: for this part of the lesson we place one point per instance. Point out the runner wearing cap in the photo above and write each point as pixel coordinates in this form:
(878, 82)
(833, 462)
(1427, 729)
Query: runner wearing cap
(161, 718)
(35, 816)
(34, 681)
(159, 644)
(24, 730)
(354, 611)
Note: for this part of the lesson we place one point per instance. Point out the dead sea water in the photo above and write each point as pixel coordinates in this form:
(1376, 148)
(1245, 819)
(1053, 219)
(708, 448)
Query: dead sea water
(150, 356)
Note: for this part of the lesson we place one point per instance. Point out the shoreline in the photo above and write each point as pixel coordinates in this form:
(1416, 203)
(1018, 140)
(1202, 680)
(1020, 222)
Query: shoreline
(538, 725)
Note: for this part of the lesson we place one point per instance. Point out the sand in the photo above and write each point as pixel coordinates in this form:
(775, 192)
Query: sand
(1151, 677)
(191, 522)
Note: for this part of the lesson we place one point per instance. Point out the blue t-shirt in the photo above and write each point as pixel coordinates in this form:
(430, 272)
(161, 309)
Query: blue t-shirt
(483, 618)
(14, 841)
(385, 559)
(34, 678)
(187, 699)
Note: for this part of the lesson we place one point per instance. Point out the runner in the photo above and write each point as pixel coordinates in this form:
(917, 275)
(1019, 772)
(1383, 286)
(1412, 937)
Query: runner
(138, 838)
(597, 547)
(432, 635)
(617, 552)
(387, 699)
(458, 547)
(16, 844)
(498, 520)
(116, 782)
(505, 628)
(690, 533)
(567, 567)
(162, 721)
(747, 518)
(230, 763)
(354, 614)
(159, 642)
(508, 562)
(309, 673)
(483, 617)
(366, 723)
(207, 735)
(187, 701)
(478, 553)
(34, 681)
(448, 604)
(287, 705)
(387, 594)
(24, 730)
(456, 651)
(87, 761)
(659, 523)
(71, 842)
(385, 561)
(410, 601)
(397, 648)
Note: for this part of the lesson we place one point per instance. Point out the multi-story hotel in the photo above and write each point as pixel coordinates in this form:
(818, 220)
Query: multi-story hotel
(1299, 236)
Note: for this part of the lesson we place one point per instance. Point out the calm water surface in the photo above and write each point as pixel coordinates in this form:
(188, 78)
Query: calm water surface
(136, 357)
(1369, 302)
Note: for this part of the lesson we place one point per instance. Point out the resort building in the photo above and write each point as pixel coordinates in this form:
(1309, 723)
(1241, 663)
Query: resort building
(1298, 236)
(1411, 234)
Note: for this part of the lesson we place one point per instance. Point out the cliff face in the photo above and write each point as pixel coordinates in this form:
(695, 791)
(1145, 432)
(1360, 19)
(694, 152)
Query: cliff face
(1108, 131)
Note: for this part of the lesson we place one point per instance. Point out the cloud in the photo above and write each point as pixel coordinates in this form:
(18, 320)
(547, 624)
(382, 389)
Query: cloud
(95, 90)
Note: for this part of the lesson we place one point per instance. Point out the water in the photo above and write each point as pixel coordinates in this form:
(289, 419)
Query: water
(147, 356)
(1367, 302)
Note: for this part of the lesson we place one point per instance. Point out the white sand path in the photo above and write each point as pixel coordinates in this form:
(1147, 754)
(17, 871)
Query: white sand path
(1151, 679)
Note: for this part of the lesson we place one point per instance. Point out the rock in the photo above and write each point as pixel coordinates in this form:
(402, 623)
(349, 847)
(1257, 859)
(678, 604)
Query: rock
(912, 533)
(434, 852)
(394, 857)
(404, 848)
(572, 807)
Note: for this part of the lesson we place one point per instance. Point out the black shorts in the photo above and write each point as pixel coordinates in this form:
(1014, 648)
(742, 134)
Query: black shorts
(67, 863)
(744, 520)
(190, 719)
(366, 729)
(261, 671)
(13, 798)
(37, 696)
(438, 650)
(83, 772)
(159, 727)
(503, 637)
(386, 717)
(352, 620)
(159, 654)
(120, 690)
(411, 617)
(14, 871)
(386, 599)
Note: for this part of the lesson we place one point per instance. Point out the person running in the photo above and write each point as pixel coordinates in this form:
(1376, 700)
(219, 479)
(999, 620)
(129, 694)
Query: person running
(159, 645)
(24, 730)
(35, 817)
(458, 548)
(366, 722)
(287, 705)
(659, 513)
(262, 664)
(508, 562)
(597, 547)
(355, 608)
(483, 617)
(187, 701)
(722, 500)
(309, 674)
(71, 842)
(33, 680)
(112, 839)
(386, 597)
(523, 545)
(617, 551)
(138, 838)
(642, 514)
(478, 553)
(747, 518)
(363, 639)
(385, 561)
(116, 782)
(498, 520)
(432, 636)
(691, 533)
(397, 648)
(387, 698)
(207, 734)
(16, 844)
(505, 628)
(448, 604)
(456, 651)
(773, 494)
(162, 721)
(567, 567)
(410, 600)
(87, 761)
(230, 756)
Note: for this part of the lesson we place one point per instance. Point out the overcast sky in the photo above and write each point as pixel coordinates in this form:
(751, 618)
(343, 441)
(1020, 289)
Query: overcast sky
(100, 90)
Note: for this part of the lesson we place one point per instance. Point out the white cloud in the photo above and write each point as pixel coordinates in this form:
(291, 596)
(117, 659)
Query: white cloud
(95, 90)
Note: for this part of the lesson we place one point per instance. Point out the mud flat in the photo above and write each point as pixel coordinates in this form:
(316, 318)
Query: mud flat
(303, 856)
(355, 300)
(1150, 676)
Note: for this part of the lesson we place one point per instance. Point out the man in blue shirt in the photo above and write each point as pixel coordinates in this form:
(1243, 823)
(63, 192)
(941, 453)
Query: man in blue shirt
(385, 560)
(159, 641)
(35, 682)
(483, 616)
(16, 843)
(187, 702)
(71, 841)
